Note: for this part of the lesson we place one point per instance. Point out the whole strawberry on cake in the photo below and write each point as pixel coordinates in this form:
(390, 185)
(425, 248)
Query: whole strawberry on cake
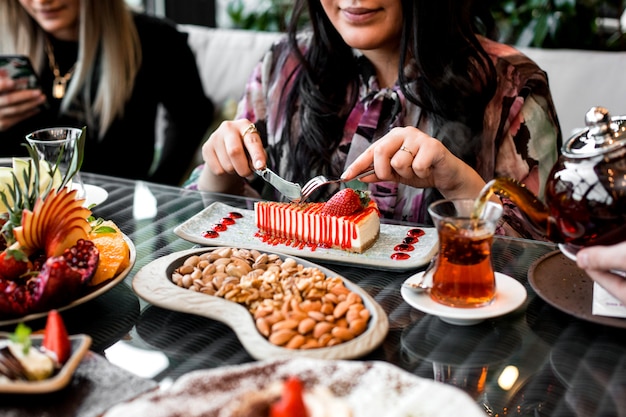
(348, 221)
(46, 256)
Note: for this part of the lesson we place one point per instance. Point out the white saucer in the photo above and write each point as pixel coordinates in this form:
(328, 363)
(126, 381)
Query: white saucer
(510, 294)
(93, 194)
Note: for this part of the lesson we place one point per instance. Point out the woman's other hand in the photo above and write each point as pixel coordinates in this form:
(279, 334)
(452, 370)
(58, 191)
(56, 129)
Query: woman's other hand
(17, 105)
(409, 156)
(599, 262)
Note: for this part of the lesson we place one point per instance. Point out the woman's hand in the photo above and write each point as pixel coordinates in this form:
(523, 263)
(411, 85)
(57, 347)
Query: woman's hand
(233, 151)
(409, 156)
(17, 105)
(599, 262)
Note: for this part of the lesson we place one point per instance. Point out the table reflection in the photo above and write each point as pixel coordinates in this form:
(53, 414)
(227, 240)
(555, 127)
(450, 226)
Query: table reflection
(465, 356)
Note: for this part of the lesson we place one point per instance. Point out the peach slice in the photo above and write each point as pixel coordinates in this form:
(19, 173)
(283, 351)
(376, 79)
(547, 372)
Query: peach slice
(55, 224)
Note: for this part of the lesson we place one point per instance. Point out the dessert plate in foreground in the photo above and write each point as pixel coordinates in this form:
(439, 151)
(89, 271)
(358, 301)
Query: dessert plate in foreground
(80, 346)
(368, 389)
(384, 254)
(510, 294)
(154, 284)
(89, 294)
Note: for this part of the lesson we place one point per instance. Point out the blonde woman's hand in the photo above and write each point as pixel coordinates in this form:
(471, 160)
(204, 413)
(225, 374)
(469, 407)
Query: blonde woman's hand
(409, 156)
(17, 105)
(234, 150)
(601, 262)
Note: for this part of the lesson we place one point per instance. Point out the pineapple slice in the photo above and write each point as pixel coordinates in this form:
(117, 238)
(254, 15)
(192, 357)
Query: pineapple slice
(20, 168)
(6, 179)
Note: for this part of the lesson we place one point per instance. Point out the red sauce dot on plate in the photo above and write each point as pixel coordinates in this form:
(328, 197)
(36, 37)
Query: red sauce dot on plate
(410, 240)
(400, 256)
(211, 234)
(219, 227)
(415, 233)
(404, 248)
(228, 221)
(235, 215)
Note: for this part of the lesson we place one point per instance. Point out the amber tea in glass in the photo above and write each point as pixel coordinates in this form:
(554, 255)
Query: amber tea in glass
(463, 275)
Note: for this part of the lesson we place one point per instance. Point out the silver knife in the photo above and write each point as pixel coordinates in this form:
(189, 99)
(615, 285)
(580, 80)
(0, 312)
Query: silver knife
(291, 190)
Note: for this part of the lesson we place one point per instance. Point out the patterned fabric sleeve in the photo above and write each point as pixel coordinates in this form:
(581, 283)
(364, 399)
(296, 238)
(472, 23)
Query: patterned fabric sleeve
(528, 152)
(528, 139)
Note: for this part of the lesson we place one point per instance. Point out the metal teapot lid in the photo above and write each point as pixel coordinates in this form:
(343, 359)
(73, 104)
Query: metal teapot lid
(603, 134)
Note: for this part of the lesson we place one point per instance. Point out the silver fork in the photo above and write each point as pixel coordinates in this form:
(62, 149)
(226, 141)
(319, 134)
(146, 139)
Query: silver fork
(319, 181)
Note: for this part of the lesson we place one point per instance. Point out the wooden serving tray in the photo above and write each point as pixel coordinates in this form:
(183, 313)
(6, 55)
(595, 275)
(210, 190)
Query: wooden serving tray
(153, 284)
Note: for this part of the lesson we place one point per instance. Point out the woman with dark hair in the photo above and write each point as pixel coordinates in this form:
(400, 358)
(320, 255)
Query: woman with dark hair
(414, 87)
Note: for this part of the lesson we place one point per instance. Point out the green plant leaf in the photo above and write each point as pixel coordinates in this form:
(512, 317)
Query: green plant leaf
(21, 336)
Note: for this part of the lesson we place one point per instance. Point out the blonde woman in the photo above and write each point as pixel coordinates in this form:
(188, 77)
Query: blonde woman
(105, 67)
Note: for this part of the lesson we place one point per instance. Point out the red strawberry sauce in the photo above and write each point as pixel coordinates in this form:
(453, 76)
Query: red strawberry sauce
(222, 226)
(412, 237)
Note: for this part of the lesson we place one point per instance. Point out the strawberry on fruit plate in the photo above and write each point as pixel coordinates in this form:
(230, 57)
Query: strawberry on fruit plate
(345, 202)
(13, 263)
(46, 256)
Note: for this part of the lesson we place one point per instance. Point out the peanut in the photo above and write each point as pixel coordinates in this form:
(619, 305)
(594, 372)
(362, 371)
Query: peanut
(321, 328)
(263, 326)
(306, 325)
(285, 324)
(281, 337)
(342, 333)
(358, 326)
(296, 342)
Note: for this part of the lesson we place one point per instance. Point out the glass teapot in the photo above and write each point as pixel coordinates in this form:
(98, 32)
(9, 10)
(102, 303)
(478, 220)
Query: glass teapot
(585, 194)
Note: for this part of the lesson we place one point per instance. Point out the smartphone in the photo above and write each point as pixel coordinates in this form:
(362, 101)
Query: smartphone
(19, 68)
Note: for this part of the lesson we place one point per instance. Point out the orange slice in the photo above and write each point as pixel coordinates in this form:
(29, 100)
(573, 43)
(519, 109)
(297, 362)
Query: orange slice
(114, 253)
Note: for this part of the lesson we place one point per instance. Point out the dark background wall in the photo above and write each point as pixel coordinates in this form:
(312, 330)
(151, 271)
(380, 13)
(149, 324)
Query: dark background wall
(197, 12)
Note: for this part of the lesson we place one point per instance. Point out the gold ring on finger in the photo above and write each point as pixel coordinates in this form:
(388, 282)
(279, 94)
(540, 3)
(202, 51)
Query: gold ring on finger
(405, 149)
(250, 129)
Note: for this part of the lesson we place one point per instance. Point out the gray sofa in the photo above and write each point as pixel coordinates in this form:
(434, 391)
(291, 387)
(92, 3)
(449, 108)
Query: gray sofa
(578, 79)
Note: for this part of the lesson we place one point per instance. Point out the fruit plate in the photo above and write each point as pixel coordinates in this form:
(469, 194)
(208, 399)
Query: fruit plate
(366, 388)
(80, 346)
(89, 294)
(242, 234)
(153, 283)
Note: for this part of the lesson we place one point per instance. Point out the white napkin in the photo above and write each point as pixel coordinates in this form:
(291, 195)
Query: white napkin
(604, 304)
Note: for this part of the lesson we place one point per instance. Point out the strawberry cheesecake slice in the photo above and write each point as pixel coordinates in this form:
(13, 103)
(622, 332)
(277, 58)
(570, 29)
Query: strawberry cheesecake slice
(348, 221)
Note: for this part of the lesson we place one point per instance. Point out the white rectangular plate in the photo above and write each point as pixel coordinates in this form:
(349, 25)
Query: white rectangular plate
(242, 234)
